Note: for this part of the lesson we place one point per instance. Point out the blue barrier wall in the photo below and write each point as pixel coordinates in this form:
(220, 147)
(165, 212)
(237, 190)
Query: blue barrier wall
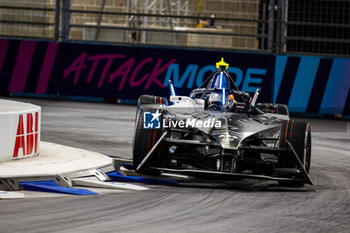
(316, 85)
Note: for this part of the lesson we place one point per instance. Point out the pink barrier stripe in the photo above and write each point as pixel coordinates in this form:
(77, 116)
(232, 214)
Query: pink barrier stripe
(22, 65)
(3, 49)
(46, 69)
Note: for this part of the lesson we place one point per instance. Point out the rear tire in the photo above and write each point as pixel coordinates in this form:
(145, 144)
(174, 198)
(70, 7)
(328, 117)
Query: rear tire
(282, 109)
(273, 108)
(298, 133)
(144, 139)
(152, 99)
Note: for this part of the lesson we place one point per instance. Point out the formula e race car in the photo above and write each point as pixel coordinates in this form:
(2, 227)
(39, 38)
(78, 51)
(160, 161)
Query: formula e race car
(219, 132)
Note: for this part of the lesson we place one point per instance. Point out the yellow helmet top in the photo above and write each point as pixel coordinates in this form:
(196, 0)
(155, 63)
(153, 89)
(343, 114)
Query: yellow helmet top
(222, 63)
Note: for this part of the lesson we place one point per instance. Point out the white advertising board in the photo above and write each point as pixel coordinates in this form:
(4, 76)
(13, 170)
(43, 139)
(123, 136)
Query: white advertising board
(20, 125)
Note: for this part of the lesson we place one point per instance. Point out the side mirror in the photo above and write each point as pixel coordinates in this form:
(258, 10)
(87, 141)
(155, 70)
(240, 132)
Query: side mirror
(255, 97)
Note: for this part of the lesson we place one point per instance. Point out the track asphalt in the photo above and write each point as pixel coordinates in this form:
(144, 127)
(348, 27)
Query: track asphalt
(244, 206)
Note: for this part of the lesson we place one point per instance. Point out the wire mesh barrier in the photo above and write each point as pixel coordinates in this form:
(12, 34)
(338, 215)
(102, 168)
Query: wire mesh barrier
(28, 19)
(178, 23)
(315, 27)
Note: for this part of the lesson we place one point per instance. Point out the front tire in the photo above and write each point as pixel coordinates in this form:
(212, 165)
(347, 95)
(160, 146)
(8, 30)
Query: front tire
(298, 133)
(144, 140)
(145, 100)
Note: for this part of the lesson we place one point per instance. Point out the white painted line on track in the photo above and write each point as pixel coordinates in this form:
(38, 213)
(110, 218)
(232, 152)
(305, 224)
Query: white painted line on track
(94, 182)
(10, 195)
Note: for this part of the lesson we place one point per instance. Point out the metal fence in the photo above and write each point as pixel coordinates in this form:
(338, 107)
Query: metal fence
(29, 19)
(315, 27)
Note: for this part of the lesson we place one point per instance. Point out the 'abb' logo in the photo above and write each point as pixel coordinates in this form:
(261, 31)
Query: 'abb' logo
(27, 141)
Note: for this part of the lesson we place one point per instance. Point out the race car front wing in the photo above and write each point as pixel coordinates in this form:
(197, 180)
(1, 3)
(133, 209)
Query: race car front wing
(227, 175)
